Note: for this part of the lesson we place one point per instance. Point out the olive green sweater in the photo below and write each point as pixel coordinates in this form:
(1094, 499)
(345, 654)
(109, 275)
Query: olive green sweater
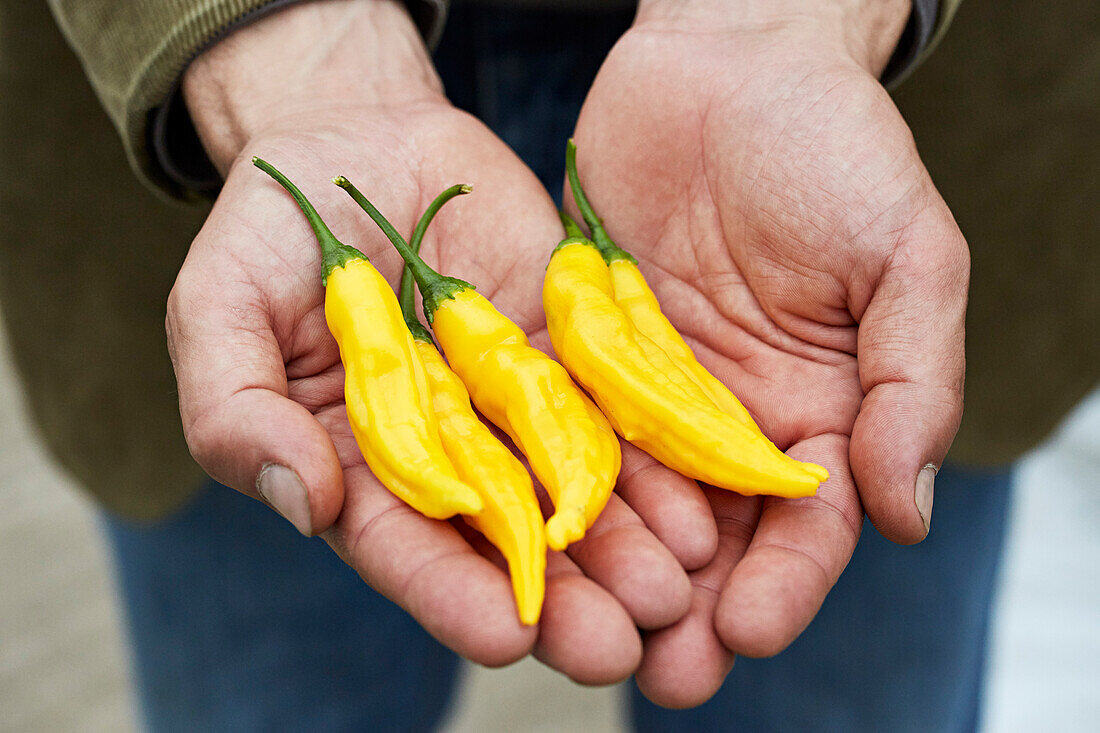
(134, 52)
(1004, 113)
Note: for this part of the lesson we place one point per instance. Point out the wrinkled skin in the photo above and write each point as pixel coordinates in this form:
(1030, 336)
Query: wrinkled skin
(783, 218)
(774, 200)
(265, 374)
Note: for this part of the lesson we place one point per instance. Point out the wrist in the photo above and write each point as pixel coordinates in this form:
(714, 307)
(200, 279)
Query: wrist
(312, 58)
(865, 30)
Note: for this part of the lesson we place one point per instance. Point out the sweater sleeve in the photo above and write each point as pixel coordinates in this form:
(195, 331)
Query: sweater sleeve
(927, 24)
(134, 51)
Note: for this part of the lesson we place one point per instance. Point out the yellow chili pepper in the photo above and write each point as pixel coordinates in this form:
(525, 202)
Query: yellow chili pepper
(385, 389)
(634, 296)
(511, 519)
(649, 398)
(570, 445)
(599, 273)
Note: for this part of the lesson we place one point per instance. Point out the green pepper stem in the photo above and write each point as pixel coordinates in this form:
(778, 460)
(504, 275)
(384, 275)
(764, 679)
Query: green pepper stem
(434, 288)
(574, 235)
(334, 253)
(572, 228)
(604, 243)
(408, 307)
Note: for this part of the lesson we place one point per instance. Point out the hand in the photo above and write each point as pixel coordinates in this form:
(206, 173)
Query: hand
(749, 159)
(329, 88)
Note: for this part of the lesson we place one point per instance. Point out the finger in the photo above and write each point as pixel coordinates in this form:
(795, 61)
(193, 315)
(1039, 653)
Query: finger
(798, 551)
(685, 664)
(426, 567)
(911, 366)
(671, 505)
(624, 557)
(584, 632)
(237, 419)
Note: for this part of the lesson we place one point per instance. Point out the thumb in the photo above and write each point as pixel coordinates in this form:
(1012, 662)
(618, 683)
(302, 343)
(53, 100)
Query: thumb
(911, 366)
(239, 422)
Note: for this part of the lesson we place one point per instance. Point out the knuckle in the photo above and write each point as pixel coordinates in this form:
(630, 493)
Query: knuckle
(180, 298)
(207, 439)
(200, 436)
(954, 259)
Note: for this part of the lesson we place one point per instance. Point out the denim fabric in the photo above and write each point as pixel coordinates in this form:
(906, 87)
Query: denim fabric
(899, 644)
(238, 623)
(525, 75)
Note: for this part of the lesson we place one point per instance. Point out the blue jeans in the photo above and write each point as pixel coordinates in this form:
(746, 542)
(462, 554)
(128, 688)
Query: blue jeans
(240, 624)
(899, 644)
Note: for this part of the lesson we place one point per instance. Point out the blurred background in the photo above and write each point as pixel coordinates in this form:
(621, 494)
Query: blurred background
(1005, 117)
(63, 656)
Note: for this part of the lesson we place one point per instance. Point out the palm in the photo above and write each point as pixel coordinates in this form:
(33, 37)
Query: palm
(763, 204)
(252, 280)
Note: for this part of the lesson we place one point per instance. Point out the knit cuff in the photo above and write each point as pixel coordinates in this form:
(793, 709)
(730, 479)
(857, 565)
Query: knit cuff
(915, 39)
(178, 157)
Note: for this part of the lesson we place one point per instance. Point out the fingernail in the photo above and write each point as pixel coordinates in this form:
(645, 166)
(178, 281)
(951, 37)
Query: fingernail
(284, 492)
(926, 484)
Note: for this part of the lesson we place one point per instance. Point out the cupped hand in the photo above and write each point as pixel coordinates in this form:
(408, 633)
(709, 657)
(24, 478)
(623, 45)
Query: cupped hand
(260, 378)
(777, 205)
